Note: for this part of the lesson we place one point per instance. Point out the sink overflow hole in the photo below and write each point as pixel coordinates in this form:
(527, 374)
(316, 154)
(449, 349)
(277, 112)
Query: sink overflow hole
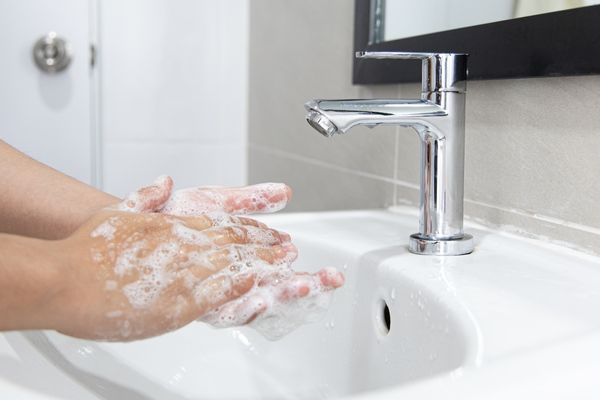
(385, 318)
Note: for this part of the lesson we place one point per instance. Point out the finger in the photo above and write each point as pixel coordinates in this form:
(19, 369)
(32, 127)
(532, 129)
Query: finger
(235, 255)
(297, 287)
(245, 234)
(149, 198)
(236, 313)
(250, 221)
(261, 198)
(291, 252)
(221, 288)
(331, 278)
(191, 229)
(327, 278)
(301, 284)
(216, 219)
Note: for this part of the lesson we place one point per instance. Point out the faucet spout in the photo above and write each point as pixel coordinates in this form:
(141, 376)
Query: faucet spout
(331, 117)
(439, 119)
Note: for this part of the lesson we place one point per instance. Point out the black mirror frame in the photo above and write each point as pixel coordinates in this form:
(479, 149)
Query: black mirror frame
(553, 44)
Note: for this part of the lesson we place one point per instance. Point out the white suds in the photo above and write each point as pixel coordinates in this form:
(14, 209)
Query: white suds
(106, 229)
(278, 308)
(194, 201)
(261, 198)
(189, 235)
(154, 274)
(128, 259)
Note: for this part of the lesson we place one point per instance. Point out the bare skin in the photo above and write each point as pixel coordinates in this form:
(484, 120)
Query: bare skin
(102, 280)
(144, 249)
(38, 201)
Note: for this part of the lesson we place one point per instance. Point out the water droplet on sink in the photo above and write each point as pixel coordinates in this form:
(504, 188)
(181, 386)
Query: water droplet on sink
(393, 294)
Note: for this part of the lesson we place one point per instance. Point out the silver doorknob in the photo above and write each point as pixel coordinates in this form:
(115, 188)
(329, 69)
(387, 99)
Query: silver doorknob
(52, 53)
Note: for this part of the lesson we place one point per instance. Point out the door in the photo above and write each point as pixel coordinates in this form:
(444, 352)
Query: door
(49, 116)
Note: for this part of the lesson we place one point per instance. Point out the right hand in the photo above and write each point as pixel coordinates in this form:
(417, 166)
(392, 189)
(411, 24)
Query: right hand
(129, 276)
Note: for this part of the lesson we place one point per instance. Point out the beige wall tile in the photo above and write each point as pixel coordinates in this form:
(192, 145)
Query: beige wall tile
(318, 187)
(290, 64)
(532, 147)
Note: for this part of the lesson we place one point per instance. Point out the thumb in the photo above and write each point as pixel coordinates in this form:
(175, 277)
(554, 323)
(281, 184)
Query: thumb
(149, 198)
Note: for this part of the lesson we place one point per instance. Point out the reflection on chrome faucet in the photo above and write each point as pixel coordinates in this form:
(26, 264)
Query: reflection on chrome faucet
(439, 119)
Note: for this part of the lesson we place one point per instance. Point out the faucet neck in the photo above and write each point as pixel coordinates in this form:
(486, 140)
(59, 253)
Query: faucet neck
(444, 73)
(439, 119)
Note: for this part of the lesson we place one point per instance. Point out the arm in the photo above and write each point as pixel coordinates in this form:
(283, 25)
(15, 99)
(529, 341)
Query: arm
(38, 201)
(125, 276)
(85, 285)
(29, 278)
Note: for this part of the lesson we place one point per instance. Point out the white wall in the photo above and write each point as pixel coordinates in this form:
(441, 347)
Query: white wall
(173, 91)
(168, 93)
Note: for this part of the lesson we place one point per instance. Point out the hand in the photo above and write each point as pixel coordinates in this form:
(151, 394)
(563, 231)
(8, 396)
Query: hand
(274, 288)
(261, 198)
(129, 276)
(280, 301)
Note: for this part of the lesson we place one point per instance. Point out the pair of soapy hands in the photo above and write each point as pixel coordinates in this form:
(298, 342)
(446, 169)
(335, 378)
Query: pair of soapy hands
(161, 259)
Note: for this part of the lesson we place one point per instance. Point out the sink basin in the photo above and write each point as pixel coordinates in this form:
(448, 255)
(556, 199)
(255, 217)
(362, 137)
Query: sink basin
(403, 323)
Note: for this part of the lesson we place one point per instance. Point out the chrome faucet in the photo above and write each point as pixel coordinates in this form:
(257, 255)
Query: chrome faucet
(438, 117)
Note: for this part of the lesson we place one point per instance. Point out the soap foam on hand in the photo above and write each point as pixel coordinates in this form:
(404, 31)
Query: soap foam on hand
(280, 301)
(260, 198)
(282, 317)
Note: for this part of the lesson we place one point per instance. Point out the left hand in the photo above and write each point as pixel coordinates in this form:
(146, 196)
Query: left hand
(158, 197)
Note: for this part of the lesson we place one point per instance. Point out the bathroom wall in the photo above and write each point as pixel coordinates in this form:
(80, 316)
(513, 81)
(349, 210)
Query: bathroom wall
(173, 92)
(532, 145)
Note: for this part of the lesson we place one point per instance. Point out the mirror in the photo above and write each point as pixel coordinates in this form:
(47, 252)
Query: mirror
(398, 19)
(504, 38)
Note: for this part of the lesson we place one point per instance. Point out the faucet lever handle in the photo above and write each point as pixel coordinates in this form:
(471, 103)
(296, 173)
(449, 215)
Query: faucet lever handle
(440, 72)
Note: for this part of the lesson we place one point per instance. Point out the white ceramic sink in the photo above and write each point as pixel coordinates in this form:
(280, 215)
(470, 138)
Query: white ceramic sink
(457, 327)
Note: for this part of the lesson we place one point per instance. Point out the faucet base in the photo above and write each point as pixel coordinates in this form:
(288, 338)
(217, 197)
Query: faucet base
(441, 247)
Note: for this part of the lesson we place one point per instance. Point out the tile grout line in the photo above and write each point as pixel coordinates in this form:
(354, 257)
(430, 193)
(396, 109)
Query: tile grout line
(539, 217)
(338, 168)
(536, 217)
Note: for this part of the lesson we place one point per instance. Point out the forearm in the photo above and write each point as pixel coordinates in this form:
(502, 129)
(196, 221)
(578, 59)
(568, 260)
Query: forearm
(38, 201)
(29, 281)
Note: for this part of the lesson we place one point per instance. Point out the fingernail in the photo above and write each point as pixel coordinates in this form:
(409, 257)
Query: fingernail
(279, 251)
(291, 252)
(331, 277)
(289, 247)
